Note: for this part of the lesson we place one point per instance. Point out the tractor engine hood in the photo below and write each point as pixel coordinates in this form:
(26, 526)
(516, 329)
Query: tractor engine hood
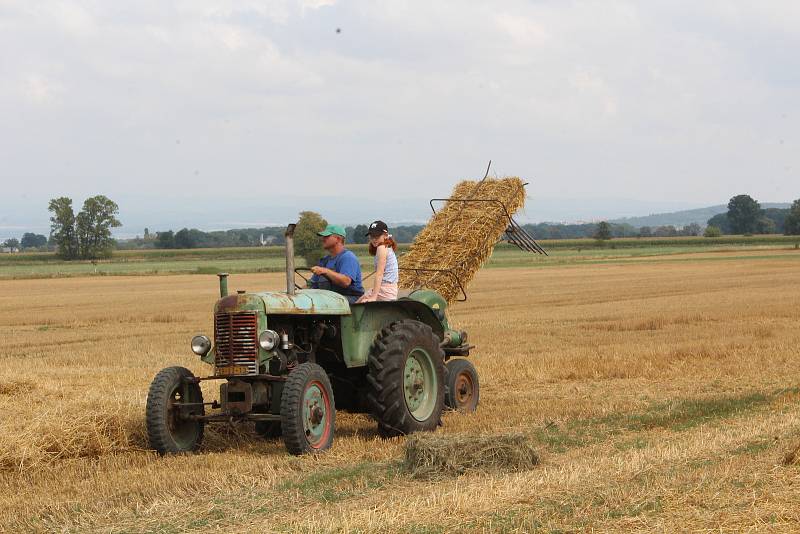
(303, 302)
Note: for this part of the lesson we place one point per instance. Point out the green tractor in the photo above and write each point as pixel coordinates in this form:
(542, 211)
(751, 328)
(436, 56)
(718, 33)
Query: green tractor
(288, 360)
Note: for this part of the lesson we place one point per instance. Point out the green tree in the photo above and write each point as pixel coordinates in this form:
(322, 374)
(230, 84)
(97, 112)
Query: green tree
(359, 234)
(665, 231)
(165, 239)
(765, 225)
(12, 243)
(777, 216)
(93, 227)
(692, 229)
(185, 239)
(603, 231)
(62, 227)
(712, 231)
(306, 240)
(721, 222)
(743, 214)
(645, 231)
(31, 240)
(791, 225)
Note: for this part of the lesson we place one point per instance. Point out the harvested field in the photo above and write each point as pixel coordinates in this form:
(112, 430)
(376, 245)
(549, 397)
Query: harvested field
(657, 395)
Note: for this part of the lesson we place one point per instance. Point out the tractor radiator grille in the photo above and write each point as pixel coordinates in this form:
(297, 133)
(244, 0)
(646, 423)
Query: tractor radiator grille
(236, 340)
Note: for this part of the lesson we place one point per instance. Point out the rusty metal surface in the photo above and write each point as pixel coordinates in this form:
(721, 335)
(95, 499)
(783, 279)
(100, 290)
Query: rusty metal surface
(236, 397)
(289, 235)
(227, 418)
(236, 342)
(262, 377)
(305, 301)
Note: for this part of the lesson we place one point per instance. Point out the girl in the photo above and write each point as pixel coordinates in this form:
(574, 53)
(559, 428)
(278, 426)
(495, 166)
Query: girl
(383, 247)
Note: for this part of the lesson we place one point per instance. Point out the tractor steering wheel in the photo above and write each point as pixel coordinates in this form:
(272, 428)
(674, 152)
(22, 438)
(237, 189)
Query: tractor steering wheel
(297, 272)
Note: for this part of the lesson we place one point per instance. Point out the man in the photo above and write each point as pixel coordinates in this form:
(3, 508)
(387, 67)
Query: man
(340, 270)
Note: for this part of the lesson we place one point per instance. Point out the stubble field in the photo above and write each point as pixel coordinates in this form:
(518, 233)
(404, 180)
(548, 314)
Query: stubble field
(661, 396)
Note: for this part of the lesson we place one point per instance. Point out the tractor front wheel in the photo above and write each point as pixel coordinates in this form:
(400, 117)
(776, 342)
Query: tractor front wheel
(308, 412)
(406, 379)
(463, 387)
(169, 426)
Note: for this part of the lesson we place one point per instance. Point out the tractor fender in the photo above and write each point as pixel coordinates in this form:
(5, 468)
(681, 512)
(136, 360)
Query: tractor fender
(361, 327)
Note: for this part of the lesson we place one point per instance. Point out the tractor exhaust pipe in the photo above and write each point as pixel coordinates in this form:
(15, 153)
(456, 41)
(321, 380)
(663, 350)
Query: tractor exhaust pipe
(223, 284)
(289, 235)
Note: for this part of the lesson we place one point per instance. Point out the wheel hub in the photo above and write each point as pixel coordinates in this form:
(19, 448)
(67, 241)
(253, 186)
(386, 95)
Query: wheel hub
(419, 384)
(314, 414)
(464, 388)
(414, 384)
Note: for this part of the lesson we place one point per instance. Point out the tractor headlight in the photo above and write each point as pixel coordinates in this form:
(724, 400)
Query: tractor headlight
(268, 339)
(201, 345)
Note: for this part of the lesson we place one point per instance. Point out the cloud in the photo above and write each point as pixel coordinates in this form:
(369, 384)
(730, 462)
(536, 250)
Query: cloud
(675, 100)
(39, 90)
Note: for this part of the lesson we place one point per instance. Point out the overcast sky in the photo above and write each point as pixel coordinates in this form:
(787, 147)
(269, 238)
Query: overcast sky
(214, 112)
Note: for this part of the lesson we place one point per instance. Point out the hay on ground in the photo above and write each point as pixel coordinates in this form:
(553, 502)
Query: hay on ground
(76, 432)
(793, 456)
(461, 235)
(429, 455)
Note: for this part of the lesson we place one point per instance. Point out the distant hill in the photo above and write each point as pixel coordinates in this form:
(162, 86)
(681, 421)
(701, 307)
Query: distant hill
(682, 218)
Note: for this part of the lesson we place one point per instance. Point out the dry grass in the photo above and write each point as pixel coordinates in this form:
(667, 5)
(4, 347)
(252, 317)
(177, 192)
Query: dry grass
(66, 432)
(432, 455)
(659, 396)
(792, 457)
(461, 235)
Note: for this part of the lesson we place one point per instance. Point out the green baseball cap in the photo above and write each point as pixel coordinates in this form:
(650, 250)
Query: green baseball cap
(333, 229)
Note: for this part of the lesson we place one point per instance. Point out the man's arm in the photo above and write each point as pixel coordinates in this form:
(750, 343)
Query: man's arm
(349, 269)
(341, 280)
(315, 277)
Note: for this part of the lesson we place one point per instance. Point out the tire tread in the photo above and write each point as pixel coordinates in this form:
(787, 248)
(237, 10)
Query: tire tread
(291, 400)
(385, 365)
(158, 432)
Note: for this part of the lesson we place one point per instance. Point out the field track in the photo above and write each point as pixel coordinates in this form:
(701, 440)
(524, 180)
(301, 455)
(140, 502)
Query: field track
(661, 394)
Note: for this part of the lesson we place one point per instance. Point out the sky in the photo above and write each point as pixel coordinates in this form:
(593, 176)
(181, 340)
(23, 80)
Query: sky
(218, 113)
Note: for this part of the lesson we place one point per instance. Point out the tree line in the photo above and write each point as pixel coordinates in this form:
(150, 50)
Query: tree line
(745, 216)
(87, 235)
(244, 237)
(608, 230)
(29, 241)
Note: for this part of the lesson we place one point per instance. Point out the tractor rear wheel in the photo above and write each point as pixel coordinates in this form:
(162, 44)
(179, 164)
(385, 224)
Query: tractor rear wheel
(463, 388)
(168, 428)
(308, 412)
(406, 379)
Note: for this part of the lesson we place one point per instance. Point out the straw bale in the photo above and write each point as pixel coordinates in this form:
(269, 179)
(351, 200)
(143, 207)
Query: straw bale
(429, 455)
(461, 235)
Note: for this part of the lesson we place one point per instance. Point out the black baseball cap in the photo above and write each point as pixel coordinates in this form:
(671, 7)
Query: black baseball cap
(377, 228)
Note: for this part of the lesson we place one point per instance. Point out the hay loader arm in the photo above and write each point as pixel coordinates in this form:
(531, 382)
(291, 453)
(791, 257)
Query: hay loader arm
(462, 233)
(515, 233)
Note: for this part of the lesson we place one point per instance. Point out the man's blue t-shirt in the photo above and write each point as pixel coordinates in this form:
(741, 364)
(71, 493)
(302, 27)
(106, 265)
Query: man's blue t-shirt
(347, 264)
